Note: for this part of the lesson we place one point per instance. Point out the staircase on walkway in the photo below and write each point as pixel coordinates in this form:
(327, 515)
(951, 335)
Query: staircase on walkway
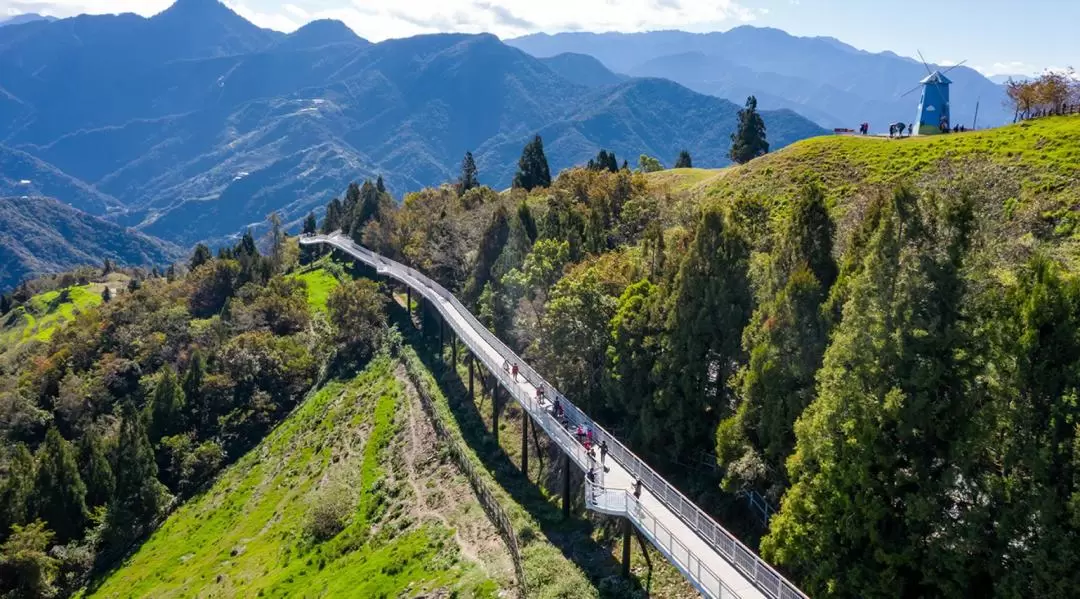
(711, 558)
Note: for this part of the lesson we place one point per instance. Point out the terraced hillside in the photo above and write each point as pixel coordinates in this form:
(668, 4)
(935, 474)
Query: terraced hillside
(350, 496)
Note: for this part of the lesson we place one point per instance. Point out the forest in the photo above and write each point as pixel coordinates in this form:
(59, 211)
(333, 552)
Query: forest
(891, 372)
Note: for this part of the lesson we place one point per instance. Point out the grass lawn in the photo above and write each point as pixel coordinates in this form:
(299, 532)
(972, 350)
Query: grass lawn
(43, 314)
(320, 282)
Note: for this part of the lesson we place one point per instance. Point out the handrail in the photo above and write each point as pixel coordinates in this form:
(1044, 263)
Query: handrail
(761, 574)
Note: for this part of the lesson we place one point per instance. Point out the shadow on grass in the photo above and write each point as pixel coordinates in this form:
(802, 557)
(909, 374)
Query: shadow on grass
(572, 536)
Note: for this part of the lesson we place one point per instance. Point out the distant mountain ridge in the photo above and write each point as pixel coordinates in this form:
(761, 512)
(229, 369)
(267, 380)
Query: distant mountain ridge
(40, 235)
(204, 137)
(825, 79)
(29, 17)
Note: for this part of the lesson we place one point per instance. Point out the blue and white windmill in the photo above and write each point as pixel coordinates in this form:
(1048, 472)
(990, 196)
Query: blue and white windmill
(934, 116)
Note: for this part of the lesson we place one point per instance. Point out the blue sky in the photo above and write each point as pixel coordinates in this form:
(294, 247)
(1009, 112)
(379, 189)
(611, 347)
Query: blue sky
(995, 36)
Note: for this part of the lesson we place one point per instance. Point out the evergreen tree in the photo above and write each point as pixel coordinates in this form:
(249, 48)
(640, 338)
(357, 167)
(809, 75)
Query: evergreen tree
(106, 295)
(311, 226)
(785, 341)
(333, 217)
(25, 560)
(59, 492)
(277, 240)
(5, 303)
(107, 267)
(533, 167)
(709, 307)
(95, 470)
(527, 221)
(16, 489)
(875, 469)
(365, 211)
(380, 185)
(604, 161)
(200, 256)
(138, 496)
(625, 165)
(637, 331)
(468, 179)
(166, 408)
(170, 273)
(491, 247)
(683, 161)
(352, 200)
(194, 397)
(247, 246)
(749, 141)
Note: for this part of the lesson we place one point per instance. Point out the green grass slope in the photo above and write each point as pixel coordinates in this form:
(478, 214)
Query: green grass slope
(352, 453)
(1025, 179)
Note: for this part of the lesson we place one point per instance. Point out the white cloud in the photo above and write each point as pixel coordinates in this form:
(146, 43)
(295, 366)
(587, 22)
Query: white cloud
(381, 19)
(1012, 67)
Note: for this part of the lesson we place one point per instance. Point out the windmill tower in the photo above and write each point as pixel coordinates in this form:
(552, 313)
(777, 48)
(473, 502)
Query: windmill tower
(934, 103)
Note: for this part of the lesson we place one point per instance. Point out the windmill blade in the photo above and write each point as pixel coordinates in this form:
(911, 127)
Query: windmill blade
(954, 66)
(911, 90)
(924, 64)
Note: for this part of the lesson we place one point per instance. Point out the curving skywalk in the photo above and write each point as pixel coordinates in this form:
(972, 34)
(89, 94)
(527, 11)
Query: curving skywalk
(711, 558)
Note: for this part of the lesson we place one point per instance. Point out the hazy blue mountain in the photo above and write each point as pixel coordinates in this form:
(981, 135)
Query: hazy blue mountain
(582, 70)
(821, 78)
(24, 175)
(40, 235)
(205, 137)
(29, 17)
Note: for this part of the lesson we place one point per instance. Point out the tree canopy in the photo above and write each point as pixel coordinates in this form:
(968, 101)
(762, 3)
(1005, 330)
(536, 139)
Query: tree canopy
(749, 139)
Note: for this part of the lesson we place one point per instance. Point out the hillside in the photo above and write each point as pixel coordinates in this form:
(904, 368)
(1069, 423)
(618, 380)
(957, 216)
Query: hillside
(40, 235)
(824, 79)
(806, 342)
(209, 135)
(23, 175)
(363, 442)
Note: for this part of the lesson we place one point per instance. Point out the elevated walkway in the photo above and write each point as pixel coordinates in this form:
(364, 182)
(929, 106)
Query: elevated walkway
(711, 558)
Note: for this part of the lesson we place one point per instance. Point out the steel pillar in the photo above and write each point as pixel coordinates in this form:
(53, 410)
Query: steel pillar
(566, 487)
(495, 409)
(626, 547)
(408, 301)
(472, 361)
(525, 443)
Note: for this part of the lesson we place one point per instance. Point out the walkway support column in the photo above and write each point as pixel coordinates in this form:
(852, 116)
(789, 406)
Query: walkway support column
(453, 350)
(442, 331)
(495, 408)
(472, 362)
(525, 443)
(566, 487)
(408, 301)
(626, 547)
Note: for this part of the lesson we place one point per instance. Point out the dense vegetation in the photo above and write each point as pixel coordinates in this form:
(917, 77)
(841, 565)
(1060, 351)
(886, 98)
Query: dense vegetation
(889, 360)
(131, 390)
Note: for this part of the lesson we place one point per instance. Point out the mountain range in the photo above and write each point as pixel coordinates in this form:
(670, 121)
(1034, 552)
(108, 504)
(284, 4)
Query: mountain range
(821, 78)
(25, 18)
(40, 235)
(194, 123)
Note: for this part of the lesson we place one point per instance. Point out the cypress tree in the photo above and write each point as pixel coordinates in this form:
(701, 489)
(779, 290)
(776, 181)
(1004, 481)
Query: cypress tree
(491, 247)
(683, 161)
(468, 179)
(380, 186)
(166, 408)
(59, 492)
(352, 199)
(533, 168)
(138, 496)
(749, 140)
(16, 489)
(332, 218)
(200, 256)
(193, 391)
(95, 469)
(365, 211)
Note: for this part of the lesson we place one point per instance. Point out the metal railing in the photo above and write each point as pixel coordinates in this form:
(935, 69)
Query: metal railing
(750, 565)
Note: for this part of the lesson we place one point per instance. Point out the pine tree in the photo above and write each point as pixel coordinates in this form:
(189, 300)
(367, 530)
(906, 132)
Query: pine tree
(95, 469)
(138, 496)
(107, 267)
(5, 303)
(200, 256)
(533, 168)
(311, 225)
(106, 295)
(166, 407)
(380, 186)
(247, 246)
(468, 179)
(170, 273)
(352, 200)
(277, 240)
(683, 161)
(749, 140)
(59, 492)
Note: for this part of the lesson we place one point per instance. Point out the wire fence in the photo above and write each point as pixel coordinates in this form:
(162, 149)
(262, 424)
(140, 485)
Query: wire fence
(763, 576)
